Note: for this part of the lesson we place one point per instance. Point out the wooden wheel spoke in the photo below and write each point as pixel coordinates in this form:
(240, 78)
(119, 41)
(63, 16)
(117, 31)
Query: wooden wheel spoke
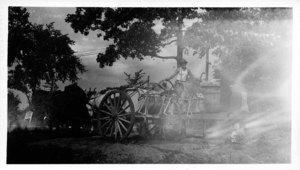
(122, 104)
(109, 121)
(125, 114)
(124, 120)
(104, 118)
(119, 100)
(115, 131)
(115, 101)
(112, 129)
(109, 127)
(106, 112)
(123, 109)
(108, 107)
(123, 126)
(119, 129)
(111, 102)
(114, 95)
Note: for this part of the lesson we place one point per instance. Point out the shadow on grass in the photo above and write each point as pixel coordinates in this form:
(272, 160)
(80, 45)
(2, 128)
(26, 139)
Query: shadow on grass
(19, 150)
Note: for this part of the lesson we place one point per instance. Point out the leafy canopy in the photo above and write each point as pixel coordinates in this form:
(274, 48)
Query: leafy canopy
(38, 53)
(131, 30)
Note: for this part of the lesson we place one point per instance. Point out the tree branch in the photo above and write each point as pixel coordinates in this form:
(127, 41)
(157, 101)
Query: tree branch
(164, 57)
(165, 44)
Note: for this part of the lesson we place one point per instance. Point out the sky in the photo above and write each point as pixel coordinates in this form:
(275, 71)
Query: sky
(101, 78)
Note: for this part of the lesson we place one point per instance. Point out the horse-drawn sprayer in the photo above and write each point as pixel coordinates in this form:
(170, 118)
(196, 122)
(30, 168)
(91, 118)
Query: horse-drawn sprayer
(152, 107)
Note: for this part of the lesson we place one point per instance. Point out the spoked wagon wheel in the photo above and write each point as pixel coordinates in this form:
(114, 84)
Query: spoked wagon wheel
(116, 115)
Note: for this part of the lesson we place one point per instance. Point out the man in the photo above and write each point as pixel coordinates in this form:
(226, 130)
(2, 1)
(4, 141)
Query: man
(186, 88)
(184, 79)
(183, 74)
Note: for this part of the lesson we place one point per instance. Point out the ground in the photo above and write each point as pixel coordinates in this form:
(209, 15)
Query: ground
(41, 146)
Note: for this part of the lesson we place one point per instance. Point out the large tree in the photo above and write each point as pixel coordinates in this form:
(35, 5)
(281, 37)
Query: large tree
(38, 54)
(253, 46)
(131, 30)
(242, 37)
(237, 35)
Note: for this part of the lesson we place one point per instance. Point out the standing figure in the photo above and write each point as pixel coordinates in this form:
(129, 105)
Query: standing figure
(183, 82)
(185, 88)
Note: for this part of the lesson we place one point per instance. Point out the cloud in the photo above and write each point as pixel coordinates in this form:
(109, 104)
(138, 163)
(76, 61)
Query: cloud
(58, 16)
(118, 68)
(85, 39)
(48, 14)
(102, 77)
(88, 43)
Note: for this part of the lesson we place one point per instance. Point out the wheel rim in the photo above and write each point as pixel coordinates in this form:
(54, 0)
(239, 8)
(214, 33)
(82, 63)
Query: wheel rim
(116, 115)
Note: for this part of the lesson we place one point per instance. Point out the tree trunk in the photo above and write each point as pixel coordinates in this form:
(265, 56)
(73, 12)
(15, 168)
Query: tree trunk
(52, 86)
(179, 39)
(179, 54)
(207, 64)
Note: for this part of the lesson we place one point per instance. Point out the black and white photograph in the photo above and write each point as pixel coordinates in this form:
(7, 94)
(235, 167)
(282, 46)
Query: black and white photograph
(148, 84)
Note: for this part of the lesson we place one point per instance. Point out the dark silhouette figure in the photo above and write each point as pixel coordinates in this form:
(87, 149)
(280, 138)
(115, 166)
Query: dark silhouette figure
(63, 108)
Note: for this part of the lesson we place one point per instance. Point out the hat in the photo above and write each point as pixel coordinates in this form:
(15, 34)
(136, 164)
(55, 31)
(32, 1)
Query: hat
(182, 61)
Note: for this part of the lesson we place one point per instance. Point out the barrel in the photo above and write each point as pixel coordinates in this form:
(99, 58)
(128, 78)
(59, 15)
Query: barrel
(212, 98)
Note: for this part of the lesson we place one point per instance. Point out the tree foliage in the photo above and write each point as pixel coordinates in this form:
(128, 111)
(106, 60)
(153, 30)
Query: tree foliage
(136, 80)
(239, 36)
(19, 29)
(38, 53)
(131, 30)
(242, 38)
